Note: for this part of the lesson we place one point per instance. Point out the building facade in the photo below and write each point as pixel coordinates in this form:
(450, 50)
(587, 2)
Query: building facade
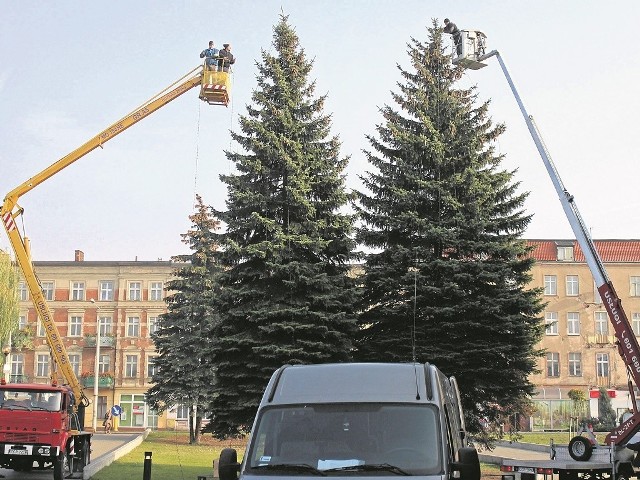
(105, 312)
(119, 303)
(579, 340)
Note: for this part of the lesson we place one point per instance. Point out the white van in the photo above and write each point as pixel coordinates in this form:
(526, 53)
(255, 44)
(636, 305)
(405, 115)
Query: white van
(356, 420)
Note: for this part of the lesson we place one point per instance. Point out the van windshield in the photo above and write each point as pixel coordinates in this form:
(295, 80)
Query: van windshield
(346, 437)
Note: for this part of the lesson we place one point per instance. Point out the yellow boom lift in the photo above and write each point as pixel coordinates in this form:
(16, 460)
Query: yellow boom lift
(215, 89)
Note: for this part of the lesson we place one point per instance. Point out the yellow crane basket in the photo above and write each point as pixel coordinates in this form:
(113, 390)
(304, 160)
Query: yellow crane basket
(216, 86)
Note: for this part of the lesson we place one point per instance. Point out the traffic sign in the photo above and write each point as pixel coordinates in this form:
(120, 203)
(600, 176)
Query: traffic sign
(116, 410)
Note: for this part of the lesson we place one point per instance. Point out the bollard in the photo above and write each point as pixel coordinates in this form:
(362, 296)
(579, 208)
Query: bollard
(146, 474)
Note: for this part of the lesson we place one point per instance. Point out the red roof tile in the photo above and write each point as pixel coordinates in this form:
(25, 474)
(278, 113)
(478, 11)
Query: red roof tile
(609, 250)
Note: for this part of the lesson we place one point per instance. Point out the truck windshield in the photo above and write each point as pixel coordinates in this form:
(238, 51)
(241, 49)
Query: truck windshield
(30, 400)
(338, 438)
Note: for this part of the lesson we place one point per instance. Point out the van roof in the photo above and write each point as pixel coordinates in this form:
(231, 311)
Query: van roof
(348, 382)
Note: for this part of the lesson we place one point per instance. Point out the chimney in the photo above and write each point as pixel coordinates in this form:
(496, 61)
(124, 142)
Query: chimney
(79, 256)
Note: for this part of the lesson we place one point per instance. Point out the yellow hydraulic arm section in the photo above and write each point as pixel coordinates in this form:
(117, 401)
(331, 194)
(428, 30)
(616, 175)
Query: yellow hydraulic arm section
(10, 211)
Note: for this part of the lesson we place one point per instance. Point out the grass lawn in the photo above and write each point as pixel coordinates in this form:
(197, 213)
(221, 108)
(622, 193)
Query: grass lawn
(172, 458)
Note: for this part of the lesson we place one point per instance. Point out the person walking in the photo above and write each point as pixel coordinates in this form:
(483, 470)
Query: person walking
(108, 422)
(452, 29)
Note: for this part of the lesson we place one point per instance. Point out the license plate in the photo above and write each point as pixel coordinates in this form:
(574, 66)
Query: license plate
(526, 470)
(21, 451)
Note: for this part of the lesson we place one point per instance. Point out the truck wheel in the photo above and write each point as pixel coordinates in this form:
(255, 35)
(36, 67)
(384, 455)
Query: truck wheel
(580, 448)
(60, 467)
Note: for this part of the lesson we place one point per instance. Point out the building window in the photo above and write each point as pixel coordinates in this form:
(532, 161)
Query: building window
(105, 325)
(573, 323)
(550, 285)
(551, 323)
(602, 364)
(75, 326)
(553, 364)
(153, 325)
(77, 290)
(133, 326)
(565, 254)
(22, 322)
(41, 330)
(74, 361)
(155, 291)
(131, 366)
(182, 412)
(572, 285)
(23, 292)
(635, 287)
(42, 365)
(106, 290)
(135, 291)
(602, 323)
(17, 365)
(635, 323)
(152, 368)
(102, 406)
(597, 299)
(104, 364)
(575, 364)
(48, 290)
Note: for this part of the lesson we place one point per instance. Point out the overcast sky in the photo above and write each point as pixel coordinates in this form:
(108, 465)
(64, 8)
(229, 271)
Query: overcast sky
(69, 69)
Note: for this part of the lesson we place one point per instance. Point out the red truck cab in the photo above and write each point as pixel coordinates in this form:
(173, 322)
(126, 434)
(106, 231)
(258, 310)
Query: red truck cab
(41, 429)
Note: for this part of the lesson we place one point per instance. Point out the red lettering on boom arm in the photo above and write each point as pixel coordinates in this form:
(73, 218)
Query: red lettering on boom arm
(629, 350)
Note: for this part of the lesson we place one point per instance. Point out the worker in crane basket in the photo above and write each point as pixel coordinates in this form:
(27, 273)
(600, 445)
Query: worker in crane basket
(452, 29)
(211, 56)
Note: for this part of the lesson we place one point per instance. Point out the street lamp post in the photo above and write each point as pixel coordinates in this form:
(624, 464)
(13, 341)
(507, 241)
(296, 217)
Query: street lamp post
(96, 375)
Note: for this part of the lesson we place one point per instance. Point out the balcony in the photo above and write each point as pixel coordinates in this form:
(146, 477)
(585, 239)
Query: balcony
(103, 382)
(18, 379)
(105, 340)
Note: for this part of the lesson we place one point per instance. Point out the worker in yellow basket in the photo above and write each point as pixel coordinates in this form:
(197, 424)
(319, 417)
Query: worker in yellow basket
(227, 57)
(211, 56)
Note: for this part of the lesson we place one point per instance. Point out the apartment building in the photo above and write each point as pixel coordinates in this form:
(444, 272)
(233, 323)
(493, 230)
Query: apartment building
(121, 301)
(116, 302)
(579, 341)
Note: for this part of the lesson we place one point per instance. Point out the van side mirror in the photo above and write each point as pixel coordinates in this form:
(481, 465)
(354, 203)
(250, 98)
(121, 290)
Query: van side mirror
(228, 466)
(468, 464)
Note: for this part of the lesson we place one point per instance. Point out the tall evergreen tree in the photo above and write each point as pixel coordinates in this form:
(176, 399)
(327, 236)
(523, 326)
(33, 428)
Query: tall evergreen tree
(446, 279)
(182, 375)
(286, 296)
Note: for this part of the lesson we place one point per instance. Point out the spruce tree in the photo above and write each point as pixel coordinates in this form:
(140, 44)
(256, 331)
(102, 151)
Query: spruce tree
(286, 296)
(445, 279)
(183, 376)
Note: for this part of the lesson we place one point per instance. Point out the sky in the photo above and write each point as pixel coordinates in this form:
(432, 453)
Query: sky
(69, 69)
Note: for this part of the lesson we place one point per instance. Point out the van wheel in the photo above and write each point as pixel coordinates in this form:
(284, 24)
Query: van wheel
(580, 448)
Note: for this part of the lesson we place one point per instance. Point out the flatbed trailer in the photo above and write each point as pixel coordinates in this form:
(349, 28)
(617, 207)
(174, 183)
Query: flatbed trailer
(604, 461)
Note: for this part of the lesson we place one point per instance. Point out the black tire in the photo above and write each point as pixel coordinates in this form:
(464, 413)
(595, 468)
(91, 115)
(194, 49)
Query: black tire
(580, 448)
(60, 467)
(228, 464)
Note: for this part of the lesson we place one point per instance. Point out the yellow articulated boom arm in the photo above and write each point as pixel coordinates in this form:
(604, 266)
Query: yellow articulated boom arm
(10, 211)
